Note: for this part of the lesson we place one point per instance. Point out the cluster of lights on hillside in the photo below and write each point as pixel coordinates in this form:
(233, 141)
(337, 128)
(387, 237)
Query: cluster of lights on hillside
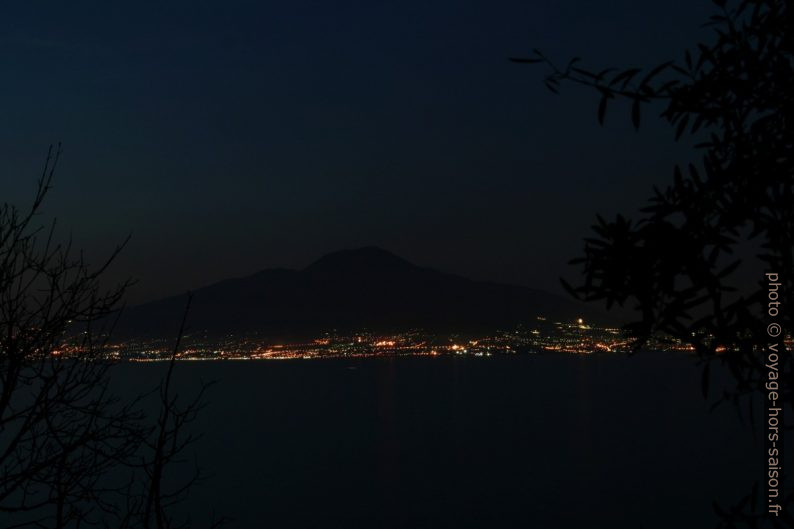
(572, 337)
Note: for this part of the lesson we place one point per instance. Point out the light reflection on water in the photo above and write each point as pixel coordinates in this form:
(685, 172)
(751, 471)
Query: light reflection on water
(521, 441)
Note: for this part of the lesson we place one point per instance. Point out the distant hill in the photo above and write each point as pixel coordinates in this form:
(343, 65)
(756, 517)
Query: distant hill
(351, 289)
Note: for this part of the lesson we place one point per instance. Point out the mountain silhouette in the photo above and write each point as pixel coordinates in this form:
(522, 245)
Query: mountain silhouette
(351, 290)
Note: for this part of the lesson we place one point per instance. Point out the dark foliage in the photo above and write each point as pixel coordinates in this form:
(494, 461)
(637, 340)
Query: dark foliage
(676, 263)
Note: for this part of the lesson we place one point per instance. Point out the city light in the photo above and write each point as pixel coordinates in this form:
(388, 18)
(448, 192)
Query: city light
(544, 336)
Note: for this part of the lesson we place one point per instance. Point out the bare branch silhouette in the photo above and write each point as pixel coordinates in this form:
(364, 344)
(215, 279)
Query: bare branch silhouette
(64, 433)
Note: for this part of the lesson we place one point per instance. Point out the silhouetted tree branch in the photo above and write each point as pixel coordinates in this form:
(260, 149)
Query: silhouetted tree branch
(676, 263)
(64, 433)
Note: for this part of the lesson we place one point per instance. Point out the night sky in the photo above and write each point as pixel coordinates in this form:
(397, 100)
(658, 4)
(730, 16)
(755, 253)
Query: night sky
(228, 137)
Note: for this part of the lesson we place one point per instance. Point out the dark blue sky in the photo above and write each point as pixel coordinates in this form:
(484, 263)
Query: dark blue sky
(233, 136)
